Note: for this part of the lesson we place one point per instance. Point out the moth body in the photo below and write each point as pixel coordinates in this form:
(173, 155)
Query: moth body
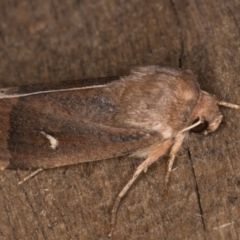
(126, 116)
(146, 114)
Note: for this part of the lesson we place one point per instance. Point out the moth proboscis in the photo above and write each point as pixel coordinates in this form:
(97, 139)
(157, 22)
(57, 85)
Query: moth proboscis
(146, 114)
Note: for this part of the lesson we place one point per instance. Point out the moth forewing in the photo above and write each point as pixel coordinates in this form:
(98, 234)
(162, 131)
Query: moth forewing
(145, 114)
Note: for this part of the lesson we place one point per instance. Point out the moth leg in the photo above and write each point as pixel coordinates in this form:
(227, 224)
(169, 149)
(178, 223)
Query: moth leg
(30, 176)
(158, 151)
(173, 152)
(177, 145)
(201, 120)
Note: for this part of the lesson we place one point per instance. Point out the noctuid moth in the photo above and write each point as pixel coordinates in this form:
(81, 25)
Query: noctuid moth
(146, 114)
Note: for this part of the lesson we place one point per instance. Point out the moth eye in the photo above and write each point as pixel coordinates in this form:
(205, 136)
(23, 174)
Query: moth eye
(199, 128)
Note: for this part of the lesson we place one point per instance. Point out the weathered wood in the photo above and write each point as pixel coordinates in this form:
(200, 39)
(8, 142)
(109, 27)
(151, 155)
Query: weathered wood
(43, 41)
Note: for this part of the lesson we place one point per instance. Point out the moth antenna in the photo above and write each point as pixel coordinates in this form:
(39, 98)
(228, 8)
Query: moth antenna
(30, 176)
(227, 104)
(159, 151)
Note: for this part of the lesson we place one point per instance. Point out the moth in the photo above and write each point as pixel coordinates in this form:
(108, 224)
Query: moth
(146, 114)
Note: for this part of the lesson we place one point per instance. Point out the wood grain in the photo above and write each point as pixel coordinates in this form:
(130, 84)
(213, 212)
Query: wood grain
(47, 42)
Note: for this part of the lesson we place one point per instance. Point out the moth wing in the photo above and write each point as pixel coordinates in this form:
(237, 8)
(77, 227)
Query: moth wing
(63, 128)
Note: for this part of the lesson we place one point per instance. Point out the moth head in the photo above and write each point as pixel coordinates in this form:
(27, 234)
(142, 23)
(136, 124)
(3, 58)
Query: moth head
(207, 110)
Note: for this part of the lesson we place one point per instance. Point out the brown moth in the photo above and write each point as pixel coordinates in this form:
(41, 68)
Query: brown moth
(146, 114)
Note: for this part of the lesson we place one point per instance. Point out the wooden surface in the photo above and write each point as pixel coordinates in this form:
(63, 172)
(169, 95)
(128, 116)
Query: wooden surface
(50, 41)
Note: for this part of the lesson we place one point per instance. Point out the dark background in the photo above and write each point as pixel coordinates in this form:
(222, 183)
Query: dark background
(50, 41)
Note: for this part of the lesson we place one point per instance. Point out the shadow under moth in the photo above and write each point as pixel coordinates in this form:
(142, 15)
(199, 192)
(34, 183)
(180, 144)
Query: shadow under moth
(146, 114)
